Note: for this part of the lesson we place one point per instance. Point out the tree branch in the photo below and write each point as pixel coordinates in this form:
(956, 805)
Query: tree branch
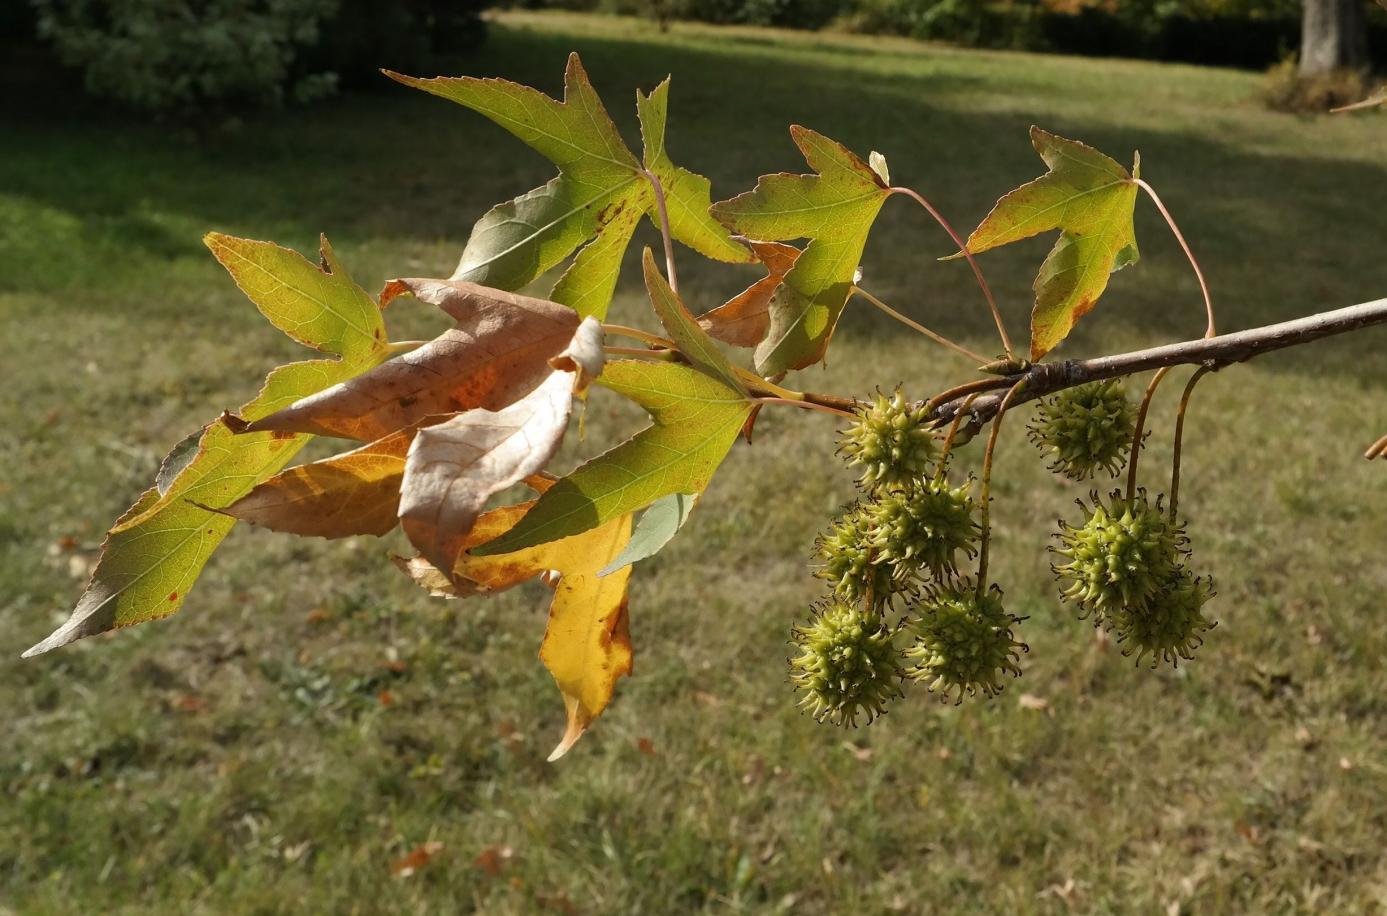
(1047, 378)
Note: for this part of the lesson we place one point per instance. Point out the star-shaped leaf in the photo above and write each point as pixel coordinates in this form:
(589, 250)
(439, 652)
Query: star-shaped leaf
(834, 208)
(155, 552)
(696, 420)
(1090, 198)
(598, 197)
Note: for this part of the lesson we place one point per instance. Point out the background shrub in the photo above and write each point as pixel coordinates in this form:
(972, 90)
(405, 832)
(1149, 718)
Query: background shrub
(172, 56)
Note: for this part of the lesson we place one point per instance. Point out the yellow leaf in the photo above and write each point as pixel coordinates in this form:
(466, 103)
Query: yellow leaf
(587, 645)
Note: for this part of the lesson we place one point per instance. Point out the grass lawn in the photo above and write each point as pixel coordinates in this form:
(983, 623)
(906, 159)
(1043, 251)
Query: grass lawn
(240, 757)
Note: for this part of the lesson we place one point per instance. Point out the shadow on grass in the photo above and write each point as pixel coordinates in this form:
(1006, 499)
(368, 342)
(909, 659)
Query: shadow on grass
(397, 165)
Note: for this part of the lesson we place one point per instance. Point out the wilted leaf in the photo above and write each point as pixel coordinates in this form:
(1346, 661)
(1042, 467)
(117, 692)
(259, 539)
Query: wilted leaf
(1091, 199)
(498, 353)
(598, 196)
(454, 467)
(354, 493)
(696, 421)
(657, 527)
(745, 318)
(691, 339)
(835, 209)
(156, 550)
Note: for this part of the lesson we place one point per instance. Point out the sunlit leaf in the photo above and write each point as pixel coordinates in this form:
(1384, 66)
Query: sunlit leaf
(597, 198)
(1090, 198)
(683, 329)
(696, 420)
(834, 209)
(154, 553)
(355, 493)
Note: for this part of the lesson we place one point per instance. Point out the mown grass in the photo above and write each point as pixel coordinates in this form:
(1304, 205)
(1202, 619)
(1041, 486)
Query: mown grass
(239, 758)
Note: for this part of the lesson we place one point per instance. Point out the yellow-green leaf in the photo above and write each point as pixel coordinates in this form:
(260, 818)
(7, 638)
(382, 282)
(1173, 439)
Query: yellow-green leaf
(1090, 198)
(684, 329)
(599, 194)
(835, 209)
(157, 549)
(696, 420)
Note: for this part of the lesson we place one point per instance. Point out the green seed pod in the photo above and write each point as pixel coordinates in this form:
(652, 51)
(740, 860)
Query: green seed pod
(847, 665)
(924, 528)
(1085, 428)
(1124, 552)
(1170, 624)
(847, 559)
(964, 643)
(891, 442)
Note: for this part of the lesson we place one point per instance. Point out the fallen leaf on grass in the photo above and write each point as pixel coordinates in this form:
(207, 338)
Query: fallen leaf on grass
(416, 859)
(492, 859)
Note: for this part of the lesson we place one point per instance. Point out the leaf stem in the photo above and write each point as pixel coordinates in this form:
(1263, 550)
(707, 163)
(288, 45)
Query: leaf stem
(963, 249)
(1180, 435)
(807, 405)
(664, 227)
(664, 356)
(1175, 230)
(655, 340)
(915, 325)
(1140, 428)
(987, 487)
(396, 347)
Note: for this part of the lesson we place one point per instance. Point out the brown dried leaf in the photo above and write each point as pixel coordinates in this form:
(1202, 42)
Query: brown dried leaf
(454, 467)
(354, 493)
(416, 859)
(745, 318)
(498, 353)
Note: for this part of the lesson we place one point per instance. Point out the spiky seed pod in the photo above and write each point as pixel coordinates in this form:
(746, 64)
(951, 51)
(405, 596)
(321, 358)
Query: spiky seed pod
(848, 561)
(1121, 555)
(892, 444)
(1170, 624)
(964, 643)
(924, 528)
(1085, 428)
(847, 664)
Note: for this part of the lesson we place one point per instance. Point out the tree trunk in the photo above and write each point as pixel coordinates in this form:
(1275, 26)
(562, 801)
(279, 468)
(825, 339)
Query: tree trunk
(1333, 35)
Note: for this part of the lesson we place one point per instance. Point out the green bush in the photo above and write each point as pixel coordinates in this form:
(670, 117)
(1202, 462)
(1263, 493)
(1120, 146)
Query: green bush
(169, 55)
(195, 58)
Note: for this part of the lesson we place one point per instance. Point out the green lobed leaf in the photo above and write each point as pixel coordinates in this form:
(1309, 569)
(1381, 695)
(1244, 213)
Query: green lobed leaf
(1091, 198)
(597, 199)
(154, 553)
(835, 209)
(684, 329)
(696, 420)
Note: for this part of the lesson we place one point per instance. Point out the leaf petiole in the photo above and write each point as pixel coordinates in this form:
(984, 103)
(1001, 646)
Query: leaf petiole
(963, 250)
(915, 325)
(1175, 230)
